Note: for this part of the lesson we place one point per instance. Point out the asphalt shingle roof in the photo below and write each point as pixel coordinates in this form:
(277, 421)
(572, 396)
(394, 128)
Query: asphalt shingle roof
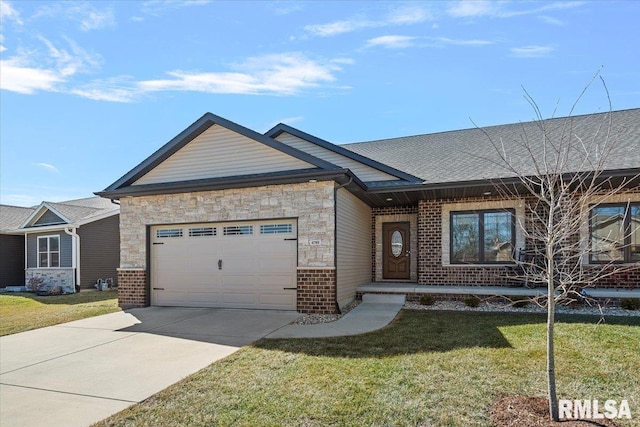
(12, 217)
(468, 155)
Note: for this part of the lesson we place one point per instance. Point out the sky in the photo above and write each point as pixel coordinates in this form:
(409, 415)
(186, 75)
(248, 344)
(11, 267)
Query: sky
(89, 89)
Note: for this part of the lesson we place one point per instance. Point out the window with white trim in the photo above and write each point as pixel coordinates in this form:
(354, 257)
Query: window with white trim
(615, 233)
(48, 251)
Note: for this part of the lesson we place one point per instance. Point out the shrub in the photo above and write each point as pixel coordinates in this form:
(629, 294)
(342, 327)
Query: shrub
(630, 303)
(519, 301)
(472, 301)
(427, 300)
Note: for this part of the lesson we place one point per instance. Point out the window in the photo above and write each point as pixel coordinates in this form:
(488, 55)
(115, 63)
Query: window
(481, 237)
(275, 228)
(615, 233)
(169, 232)
(235, 230)
(202, 231)
(48, 251)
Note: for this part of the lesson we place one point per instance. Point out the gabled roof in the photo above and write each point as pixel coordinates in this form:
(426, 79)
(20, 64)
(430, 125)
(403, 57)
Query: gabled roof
(73, 212)
(467, 155)
(193, 131)
(283, 128)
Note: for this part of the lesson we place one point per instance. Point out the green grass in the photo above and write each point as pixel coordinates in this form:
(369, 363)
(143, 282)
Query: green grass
(21, 312)
(426, 369)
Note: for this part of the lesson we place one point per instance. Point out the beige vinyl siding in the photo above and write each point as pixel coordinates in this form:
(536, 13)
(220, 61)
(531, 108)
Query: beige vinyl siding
(353, 245)
(365, 173)
(220, 152)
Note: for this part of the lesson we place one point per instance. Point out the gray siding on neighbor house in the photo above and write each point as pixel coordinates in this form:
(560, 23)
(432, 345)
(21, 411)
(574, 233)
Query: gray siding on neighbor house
(99, 250)
(353, 245)
(11, 260)
(48, 218)
(65, 248)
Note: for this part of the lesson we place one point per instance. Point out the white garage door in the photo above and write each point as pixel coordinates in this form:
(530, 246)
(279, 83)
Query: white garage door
(239, 265)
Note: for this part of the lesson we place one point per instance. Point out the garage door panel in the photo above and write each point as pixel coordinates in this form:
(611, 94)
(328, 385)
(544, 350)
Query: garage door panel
(255, 267)
(276, 266)
(278, 299)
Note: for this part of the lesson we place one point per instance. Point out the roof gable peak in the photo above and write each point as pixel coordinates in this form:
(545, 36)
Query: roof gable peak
(197, 128)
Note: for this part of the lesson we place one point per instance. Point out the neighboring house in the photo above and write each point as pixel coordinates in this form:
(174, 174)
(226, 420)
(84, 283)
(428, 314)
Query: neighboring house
(223, 216)
(65, 244)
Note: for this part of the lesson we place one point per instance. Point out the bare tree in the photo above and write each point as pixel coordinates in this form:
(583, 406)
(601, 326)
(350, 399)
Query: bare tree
(563, 176)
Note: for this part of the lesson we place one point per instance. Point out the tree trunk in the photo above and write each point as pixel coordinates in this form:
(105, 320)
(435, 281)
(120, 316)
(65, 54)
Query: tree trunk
(551, 370)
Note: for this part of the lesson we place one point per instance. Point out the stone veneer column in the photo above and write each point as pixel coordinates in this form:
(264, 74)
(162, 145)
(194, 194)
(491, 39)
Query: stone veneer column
(132, 288)
(317, 290)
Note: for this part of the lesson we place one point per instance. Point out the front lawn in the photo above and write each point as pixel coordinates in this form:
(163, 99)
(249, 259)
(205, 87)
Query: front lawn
(21, 312)
(426, 369)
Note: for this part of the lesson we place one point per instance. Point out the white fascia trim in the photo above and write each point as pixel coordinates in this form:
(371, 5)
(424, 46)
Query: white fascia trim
(46, 228)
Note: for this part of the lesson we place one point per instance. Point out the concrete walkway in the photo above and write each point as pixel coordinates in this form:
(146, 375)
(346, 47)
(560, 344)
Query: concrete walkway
(375, 312)
(78, 373)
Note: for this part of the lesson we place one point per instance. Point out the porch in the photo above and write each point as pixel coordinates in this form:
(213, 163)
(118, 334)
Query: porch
(413, 291)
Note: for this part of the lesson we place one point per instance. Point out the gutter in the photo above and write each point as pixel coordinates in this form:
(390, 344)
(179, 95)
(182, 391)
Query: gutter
(75, 253)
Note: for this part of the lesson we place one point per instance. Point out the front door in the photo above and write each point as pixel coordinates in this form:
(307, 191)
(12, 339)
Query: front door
(395, 253)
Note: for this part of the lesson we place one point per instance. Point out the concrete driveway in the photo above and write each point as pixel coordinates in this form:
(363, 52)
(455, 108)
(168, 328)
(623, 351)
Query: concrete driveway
(81, 372)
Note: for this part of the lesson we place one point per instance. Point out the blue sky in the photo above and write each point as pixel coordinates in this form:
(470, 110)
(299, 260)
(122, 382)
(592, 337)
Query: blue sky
(90, 89)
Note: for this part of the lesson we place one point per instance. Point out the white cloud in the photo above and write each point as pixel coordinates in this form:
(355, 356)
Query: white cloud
(85, 14)
(405, 15)
(28, 72)
(391, 42)
(8, 13)
(457, 42)
(399, 42)
(478, 8)
(16, 77)
(531, 51)
(467, 8)
(277, 74)
(285, 7)
(48, 166)
(551, 20)
(409, 15)
(339, 27)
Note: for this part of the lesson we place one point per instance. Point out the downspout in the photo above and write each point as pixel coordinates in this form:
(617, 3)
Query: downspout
(75, 253)
(335, 234)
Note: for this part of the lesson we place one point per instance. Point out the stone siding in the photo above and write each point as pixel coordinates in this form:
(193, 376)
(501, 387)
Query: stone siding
(63, 277)
(311, 203)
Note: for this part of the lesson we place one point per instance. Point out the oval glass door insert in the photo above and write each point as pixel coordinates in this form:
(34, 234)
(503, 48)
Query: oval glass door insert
(396, 243)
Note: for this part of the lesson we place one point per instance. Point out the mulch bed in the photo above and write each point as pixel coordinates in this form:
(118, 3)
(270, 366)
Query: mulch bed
(519, 411)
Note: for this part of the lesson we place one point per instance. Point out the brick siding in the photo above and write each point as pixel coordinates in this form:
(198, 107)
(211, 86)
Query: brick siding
(132, 288)
(317, 291)
(385, 211)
